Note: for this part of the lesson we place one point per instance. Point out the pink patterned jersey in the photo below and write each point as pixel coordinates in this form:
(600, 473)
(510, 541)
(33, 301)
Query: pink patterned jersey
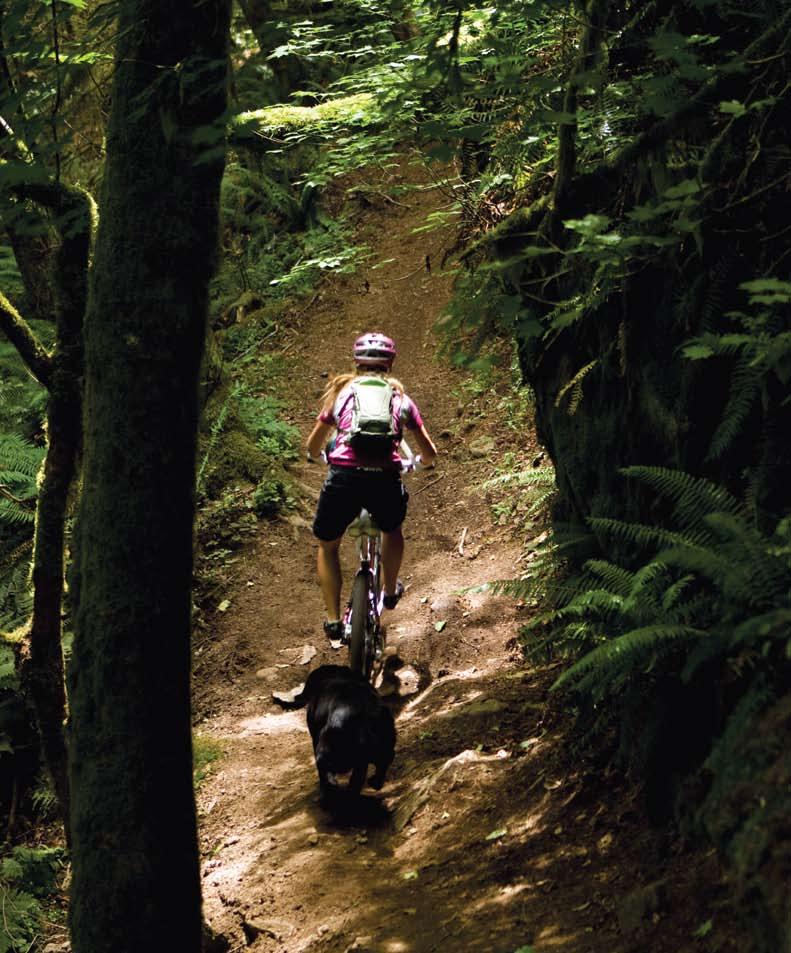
(341, 454)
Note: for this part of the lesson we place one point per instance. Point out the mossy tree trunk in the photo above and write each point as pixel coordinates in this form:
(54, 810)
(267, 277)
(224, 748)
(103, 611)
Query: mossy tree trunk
(135, 861)
(41, 656)
(42, 667)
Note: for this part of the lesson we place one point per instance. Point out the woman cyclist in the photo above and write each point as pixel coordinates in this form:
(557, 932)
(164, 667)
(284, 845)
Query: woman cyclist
(357, 479)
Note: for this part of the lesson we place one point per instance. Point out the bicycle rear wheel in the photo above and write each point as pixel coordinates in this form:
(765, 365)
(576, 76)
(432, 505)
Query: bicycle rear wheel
(359, 660)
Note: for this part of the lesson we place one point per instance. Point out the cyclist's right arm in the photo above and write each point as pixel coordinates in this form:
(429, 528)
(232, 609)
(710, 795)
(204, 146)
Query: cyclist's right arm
(318, 438)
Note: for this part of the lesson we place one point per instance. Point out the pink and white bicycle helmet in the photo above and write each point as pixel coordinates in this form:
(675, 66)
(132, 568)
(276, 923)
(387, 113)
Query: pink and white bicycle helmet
(373, 349)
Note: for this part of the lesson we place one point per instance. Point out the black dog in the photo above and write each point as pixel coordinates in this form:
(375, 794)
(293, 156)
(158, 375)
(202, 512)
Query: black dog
(350, 727)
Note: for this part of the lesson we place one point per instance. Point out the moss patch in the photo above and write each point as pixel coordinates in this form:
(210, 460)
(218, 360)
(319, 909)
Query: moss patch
(277, 122)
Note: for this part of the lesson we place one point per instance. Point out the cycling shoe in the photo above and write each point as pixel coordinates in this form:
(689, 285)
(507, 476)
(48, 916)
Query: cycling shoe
(334, 632)
(390, 602)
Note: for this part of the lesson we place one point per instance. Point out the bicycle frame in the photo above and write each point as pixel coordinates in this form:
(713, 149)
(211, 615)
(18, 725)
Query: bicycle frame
(369, 539)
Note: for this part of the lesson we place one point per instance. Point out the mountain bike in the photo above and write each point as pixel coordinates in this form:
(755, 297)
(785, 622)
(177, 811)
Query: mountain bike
(362, 627)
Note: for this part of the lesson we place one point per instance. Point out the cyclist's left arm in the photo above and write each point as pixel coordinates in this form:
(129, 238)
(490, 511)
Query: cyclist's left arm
(319, 436)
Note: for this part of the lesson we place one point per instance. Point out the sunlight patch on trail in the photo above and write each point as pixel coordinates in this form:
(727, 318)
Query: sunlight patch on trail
(274, 723)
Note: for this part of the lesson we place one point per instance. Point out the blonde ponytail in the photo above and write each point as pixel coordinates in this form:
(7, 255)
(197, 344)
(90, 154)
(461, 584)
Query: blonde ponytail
(333, 388)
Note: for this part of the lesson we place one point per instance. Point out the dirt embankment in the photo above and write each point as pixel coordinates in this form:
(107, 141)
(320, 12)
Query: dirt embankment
(489, 835)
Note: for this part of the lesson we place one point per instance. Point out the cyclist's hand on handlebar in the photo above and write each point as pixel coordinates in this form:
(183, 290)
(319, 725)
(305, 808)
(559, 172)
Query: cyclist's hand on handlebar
(414, 463)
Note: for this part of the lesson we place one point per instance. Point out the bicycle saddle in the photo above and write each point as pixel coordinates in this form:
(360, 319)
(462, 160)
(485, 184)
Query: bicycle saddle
(363, 526)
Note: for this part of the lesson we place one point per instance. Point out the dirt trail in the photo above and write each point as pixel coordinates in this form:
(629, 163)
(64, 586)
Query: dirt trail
(484, 837)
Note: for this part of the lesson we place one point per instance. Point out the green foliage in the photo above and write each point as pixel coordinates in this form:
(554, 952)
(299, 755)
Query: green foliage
(20, 462)
(712, 592)
(27, 876)
(44, 800)
(539, 484)
(21, 921)
(34, 869)
(9, 698)
(277, 239)
(10, 278)
(260, 414)
(757, 355)
(22, 399)
(247, 439)
(215, 431)
(270, 497)
(205, 751)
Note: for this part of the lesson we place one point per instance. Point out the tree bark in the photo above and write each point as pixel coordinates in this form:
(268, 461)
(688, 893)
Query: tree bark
(136, 882)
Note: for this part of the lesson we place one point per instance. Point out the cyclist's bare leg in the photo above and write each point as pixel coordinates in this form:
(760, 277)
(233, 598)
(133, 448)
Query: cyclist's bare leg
(330, 580)
(392, 554)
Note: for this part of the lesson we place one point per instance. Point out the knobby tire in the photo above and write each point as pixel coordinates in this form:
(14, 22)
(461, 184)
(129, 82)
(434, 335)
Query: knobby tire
(358, 662)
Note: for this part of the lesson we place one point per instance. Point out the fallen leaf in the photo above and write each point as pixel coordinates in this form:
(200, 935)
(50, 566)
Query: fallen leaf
(224, 605)
(410, 875)
(496, 835)
(439, 626)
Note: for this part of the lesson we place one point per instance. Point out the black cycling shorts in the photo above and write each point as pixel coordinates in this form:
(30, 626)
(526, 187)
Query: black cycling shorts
(347, 490)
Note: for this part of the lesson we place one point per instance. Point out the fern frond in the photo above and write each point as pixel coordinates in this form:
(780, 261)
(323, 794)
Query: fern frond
(540, 502)
(692, 497)
(541, 476)
(616, 578)
(673, 594)
(15, 513)
(575, 386)
(645, 576)
(19, 455)
(524, 588)
(721, 345)
(619, 658)
(745, 386)
(638, 534)
(599, 602)
(703, 560)
(775, 624)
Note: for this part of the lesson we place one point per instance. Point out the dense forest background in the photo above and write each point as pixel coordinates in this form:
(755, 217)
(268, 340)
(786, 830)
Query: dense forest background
(616, 176)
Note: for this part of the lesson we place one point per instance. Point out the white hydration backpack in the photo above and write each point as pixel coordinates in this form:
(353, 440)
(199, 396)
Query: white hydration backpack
(376, 417)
